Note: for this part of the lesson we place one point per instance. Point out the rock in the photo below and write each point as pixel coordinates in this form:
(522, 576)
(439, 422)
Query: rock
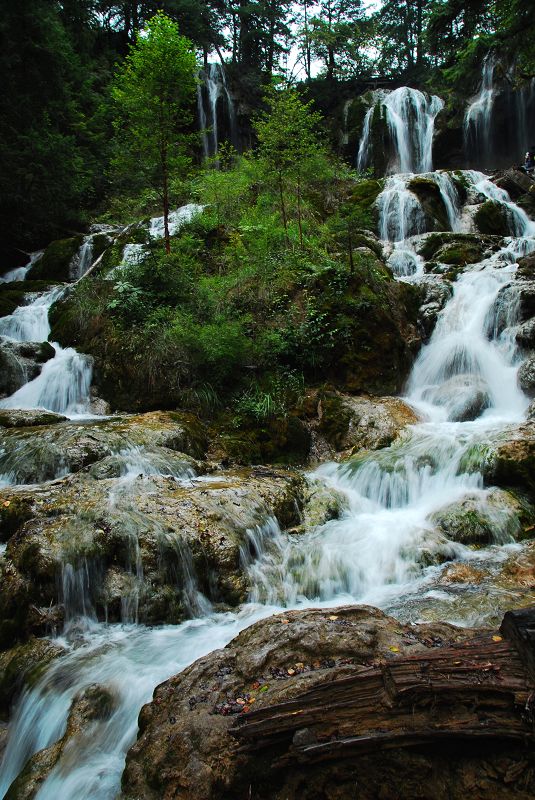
(95, 703)
(184, 746)
(462, 573)
(430, 197)
(22, 666)
(186, 538)
(513, 459)
(99, 407)
(321, 503)
(526, 376)
(35, 455)
(54, 264)
(363, 422)
(526, 268)
(28, 418)
(525, 334)
(515, 182)
(275, 440)
(462, 247)
(4, 730)
(464, 396)
(491, 218)
(497, 517)
(436, 291)
(21, 362)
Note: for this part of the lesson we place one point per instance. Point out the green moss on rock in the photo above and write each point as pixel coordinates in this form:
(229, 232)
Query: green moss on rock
(491, 218)
(55, 262)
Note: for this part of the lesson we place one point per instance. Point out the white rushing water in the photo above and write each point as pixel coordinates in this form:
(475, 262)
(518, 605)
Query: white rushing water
(478, 115)
(464, 385)
(410, 115)
(213, 88)
(65, 380)
(19, 273)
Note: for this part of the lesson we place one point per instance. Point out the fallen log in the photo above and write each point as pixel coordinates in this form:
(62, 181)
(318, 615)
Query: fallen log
(480, 690)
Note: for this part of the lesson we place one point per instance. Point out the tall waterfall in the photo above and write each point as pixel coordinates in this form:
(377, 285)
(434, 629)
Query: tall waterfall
(478, 117)
(410, 116)
(463, 383)
(216, 110)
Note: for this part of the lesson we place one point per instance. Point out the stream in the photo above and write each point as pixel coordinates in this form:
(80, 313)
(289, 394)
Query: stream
(372, 554)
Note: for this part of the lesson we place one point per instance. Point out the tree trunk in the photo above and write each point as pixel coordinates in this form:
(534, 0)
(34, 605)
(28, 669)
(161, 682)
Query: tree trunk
(283, 209)
(299, 218)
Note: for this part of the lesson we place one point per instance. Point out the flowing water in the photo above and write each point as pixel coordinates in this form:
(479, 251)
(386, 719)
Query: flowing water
(214, 103)
(385, 549)
(410, 116)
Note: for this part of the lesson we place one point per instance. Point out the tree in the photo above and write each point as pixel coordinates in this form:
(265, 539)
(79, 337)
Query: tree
(153, 92)
(287, 144)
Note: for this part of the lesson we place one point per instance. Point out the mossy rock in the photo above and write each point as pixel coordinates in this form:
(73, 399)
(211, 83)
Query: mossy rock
(527, 203)
(435, 242)
(366, 239)
(284, 440)
(23, 666)
(428, 193)
(13, 514)
(460, 254)
(491, 218)
(362, 202)
(54, 264)
(335, 420)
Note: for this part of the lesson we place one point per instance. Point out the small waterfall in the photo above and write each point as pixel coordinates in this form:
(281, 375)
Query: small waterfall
(82, 260)
(19, 273)
(520, 223)
(401, 216)
(215, 104)
(177, 219)
(64, 383)
(410, 115)
(478, 116)
(450, 198)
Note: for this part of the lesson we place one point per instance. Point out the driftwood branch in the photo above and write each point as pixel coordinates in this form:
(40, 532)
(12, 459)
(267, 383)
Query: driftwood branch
(482, 689)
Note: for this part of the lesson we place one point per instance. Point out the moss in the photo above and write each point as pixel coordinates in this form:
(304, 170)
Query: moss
(470, 242)
(361, 239)
(55, 262)
(459, 255)
(284, 440)
(335, 419)
(491, 218)
(380, 141)
(527, 203)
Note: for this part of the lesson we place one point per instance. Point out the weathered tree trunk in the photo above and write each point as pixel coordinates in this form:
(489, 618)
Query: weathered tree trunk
(481, 690)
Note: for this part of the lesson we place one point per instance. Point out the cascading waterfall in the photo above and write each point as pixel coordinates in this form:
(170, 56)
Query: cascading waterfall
(410, 115)
(378, 551)
(208, 108)
(19, 273)
(64, 383)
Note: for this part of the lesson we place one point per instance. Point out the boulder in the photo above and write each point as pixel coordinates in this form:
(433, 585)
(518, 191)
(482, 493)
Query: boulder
(526, 376)
(515, 182)
(525, 335)
(54, 264)
(512, 463)
(355, 423)
(491, 218)
(436, 291)
(184, 747)
(432, 202)
(495, 517)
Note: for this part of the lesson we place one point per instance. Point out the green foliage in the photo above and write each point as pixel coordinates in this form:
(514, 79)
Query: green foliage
(153, 93)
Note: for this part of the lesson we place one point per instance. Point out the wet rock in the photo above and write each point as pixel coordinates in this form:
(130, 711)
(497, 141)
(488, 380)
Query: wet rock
(362, 422)
(526, 268)
(21, 362)
(515, 182)
(28, 418)
(55, 262)
(497, 517)
(4, 730)
(92, 706)
(464, 243)
(436, 291)
(275, 440)
(135, 548)
(321, 503)
(526, 376)
(462, 573)
(430, 197)
(491, 218)
(513, 459)
(464, 396)
(34, 455)
(22, 666)
(184, 746)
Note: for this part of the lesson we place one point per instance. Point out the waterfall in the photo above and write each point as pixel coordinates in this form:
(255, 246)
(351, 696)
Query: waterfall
(463, 383)
(82, 260)
(215, 104)
(64, 383)
(19, 273)
(410, 116)
(478, 117)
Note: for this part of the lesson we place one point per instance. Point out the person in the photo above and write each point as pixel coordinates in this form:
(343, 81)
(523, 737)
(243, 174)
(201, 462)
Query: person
(529, 161)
